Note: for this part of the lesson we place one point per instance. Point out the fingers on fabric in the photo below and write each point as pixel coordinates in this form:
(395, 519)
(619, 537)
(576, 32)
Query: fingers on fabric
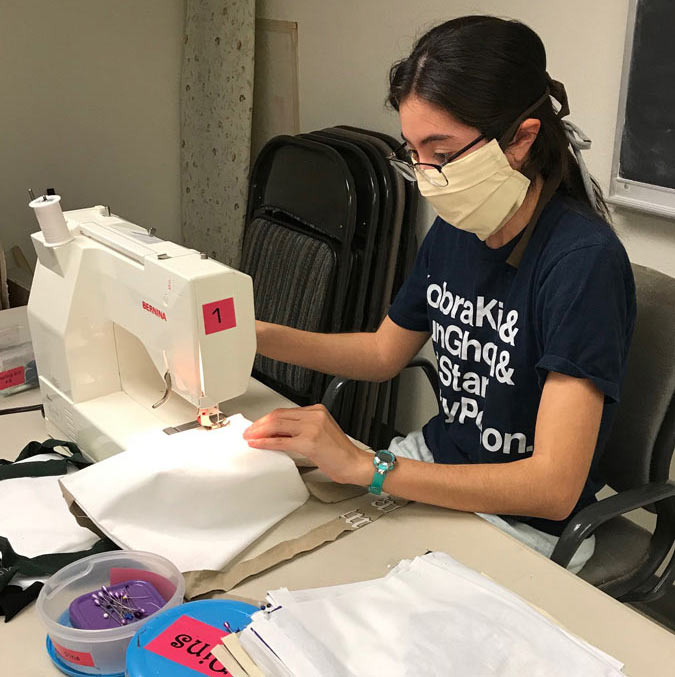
(271, 443)
(276, 414)
(273, 427)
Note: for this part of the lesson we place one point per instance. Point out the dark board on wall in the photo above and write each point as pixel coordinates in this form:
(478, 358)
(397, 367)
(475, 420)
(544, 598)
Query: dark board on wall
(644, 168)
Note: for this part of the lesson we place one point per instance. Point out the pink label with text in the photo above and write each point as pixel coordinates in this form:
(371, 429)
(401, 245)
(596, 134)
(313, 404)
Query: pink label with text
(188, 642)
(77, 657)
(12, 377)
(219, 316)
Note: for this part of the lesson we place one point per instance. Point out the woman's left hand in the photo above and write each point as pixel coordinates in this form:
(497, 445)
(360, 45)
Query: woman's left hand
(312, 432)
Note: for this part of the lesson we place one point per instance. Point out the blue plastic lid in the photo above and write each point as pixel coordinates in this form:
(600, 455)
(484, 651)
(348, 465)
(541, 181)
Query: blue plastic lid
(67, 668)
(177, 642)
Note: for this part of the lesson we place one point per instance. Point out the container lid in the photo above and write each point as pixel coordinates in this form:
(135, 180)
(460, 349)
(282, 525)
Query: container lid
(69, 669)
(178, 641)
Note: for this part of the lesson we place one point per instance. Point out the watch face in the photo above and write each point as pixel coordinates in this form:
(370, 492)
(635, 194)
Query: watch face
(385, 457)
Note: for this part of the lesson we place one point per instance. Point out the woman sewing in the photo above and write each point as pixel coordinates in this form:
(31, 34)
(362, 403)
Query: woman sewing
(521, 283)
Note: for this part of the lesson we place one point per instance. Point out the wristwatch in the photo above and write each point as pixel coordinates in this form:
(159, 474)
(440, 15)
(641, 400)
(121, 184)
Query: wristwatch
(383, 461)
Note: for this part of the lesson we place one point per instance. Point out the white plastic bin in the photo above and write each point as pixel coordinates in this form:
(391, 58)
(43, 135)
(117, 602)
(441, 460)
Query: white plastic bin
(101, 652)
(17, 362)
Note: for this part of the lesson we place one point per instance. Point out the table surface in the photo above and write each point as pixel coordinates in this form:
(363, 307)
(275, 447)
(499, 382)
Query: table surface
(647, 649)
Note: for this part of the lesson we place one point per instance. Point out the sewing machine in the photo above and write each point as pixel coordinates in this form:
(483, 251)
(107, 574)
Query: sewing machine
(132, 334)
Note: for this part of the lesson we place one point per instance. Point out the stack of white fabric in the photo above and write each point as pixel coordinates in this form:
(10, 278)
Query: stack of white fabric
(429, 616)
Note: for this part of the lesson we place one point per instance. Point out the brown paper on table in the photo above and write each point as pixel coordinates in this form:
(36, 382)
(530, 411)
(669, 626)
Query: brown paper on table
(80, 516)
(365, 511)
(325, 490)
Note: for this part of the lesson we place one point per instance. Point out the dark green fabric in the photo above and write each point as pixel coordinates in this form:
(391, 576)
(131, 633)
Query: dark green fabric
(12, 469)
(13, 598)
(46, 565)
(75, 456)
(33, 469)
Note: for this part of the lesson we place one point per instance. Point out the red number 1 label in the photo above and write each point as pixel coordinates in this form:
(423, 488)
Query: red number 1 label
(219, 315)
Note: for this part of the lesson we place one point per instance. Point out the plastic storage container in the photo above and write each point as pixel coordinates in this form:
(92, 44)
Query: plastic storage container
(100, 652)
(17, 362)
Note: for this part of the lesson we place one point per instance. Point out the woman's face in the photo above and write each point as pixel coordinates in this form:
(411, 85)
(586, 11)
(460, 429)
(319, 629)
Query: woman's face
(432, 134)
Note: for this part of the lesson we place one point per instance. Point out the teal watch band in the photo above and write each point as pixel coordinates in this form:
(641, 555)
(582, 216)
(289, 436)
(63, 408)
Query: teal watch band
(383, 461)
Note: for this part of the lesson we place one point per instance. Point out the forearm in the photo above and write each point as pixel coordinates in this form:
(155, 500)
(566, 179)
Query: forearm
(350, 355)
(547, 484)
(524, 487)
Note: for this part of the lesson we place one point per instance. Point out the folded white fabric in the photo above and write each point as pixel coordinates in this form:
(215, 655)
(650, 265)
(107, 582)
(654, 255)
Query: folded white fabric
(34, 517)
(429, 616)
(198, 497)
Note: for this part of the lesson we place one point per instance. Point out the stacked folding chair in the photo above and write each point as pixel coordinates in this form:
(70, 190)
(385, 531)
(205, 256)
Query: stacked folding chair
(329, 239)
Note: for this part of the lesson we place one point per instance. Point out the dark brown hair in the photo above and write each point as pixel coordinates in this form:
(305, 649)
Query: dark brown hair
(486, 72)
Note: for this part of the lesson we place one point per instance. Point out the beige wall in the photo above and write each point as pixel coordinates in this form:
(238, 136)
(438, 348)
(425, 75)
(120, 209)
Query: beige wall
(346, 48)
(90, 106)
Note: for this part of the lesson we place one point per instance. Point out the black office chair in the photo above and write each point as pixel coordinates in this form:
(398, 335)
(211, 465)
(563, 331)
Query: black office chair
(636, 460)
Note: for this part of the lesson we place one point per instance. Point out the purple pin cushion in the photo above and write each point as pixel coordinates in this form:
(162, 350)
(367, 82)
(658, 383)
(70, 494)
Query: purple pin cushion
(115, 606)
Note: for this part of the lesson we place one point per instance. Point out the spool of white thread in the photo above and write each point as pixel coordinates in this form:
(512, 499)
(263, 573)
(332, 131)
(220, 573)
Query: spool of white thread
(52, 222)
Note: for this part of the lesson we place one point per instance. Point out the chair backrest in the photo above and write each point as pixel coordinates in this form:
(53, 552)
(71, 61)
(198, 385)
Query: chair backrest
(408, 244)
(307, 181)
(367, 214)
(308, 187)
(292, 285)
(640, 445)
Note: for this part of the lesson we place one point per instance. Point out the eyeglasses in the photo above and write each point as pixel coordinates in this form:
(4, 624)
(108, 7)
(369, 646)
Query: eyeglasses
(401, 161)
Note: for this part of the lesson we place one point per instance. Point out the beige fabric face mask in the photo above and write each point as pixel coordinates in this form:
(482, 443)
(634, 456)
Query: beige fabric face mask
(482, 194)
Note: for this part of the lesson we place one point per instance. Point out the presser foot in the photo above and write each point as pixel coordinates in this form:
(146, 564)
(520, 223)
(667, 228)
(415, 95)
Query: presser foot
(212, 418)
(209, 418)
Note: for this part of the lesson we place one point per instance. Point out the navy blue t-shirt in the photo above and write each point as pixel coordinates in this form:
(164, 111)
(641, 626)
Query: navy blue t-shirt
(498, 330)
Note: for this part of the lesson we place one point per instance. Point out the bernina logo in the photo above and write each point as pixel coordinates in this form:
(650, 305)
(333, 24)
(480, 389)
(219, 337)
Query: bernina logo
(155, 311)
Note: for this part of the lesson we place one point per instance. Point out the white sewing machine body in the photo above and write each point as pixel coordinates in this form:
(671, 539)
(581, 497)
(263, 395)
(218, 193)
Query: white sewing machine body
(112, 311)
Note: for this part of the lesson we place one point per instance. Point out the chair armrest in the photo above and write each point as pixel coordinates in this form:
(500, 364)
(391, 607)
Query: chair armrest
(586, 521)
(335, 387)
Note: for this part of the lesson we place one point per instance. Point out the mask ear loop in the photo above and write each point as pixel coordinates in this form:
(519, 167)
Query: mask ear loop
(508, 135)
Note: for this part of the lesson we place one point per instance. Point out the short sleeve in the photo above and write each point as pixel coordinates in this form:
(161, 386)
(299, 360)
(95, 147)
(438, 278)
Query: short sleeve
(409, 309)
(585, 316)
